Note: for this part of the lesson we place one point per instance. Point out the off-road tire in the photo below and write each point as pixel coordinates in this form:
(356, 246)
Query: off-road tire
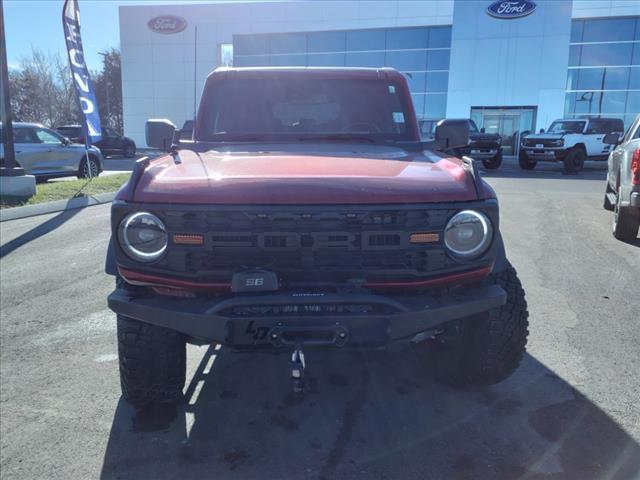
(152, 363)
(493, 163)
(606, 204)
(574, 161)
(94, 165)
(625, 221)
(486, 348)
(525, 163)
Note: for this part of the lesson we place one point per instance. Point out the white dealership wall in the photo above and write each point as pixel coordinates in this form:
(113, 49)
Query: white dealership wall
(158, 71)
(494, 62)
(509, 62)
(517, 62)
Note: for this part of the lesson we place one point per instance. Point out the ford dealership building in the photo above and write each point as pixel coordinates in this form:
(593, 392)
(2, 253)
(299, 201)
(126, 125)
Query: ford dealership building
(512, 66)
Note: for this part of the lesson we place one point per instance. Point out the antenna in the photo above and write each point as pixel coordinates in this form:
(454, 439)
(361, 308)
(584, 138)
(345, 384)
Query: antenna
(195, 69)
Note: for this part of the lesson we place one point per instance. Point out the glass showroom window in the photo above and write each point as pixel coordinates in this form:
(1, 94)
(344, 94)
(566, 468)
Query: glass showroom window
(422, 53)
(604, 69)
(225, 54)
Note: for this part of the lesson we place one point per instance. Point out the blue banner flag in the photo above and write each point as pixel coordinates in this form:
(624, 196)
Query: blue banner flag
(80, 72)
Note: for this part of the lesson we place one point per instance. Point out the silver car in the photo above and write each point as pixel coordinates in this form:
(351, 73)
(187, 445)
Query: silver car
(45, 153)
(622, 195)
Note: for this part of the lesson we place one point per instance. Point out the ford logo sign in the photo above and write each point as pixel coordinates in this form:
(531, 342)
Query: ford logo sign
(167, 24)
(511, 9)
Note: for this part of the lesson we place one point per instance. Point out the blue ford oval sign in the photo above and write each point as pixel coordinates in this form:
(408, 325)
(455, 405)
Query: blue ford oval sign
(511, 9)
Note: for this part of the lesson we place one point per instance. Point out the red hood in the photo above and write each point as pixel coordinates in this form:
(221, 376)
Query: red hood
(389, 176)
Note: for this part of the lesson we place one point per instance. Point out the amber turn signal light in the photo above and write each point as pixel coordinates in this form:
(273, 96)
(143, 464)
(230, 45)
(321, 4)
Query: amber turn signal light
(424, 237)
(188, 239)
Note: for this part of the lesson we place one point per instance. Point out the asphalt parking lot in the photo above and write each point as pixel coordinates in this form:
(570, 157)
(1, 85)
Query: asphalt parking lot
(570, 412)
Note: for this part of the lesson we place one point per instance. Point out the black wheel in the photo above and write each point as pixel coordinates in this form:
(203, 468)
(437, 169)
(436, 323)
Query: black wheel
(89, 168)
(606, 204)
(152, 363)
(625, 221)
(574, 161)
(130, 150)
(526, 163)
(486, 348)
(493, 163)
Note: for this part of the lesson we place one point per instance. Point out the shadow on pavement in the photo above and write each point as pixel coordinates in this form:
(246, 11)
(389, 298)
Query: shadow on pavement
(39, 231)
(368, 415)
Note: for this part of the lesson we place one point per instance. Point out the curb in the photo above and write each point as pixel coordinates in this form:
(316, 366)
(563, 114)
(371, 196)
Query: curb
(58, 206)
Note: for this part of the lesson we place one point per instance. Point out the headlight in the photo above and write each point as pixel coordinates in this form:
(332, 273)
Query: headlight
(468, 234)
(143, 236)
(559, 142)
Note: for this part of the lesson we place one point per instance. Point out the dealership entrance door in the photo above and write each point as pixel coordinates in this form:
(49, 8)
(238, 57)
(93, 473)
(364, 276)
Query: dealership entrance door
(510, 122)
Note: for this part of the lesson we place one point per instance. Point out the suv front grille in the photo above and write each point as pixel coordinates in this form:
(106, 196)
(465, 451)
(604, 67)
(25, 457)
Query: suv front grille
(307, 246)
(531, 142)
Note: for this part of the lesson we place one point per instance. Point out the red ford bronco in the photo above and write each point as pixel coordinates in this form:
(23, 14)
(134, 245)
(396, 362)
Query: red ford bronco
(306, 213)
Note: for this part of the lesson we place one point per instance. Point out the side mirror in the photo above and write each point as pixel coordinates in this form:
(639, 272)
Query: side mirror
(542, 130)
(452, 133)
(611, 139)
(482, 130)
(159, 133)
(65, 142)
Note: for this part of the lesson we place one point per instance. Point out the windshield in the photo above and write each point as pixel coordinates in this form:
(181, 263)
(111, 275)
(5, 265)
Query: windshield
(564, 126)
(305, 108)
(69, 131)
(472, 126)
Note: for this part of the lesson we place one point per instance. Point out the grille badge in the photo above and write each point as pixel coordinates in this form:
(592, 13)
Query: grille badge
(424, 237)
(188, 239)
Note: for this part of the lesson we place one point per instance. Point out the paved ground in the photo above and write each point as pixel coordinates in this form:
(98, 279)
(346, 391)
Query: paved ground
(571, 411)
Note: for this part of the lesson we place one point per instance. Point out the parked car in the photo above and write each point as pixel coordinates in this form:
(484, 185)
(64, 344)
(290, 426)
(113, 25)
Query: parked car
(112, 143)
(427, 129)
(186, 132)
(308, 214)
(571, 141)
(45, 153)
(485, 147)
(622, 194)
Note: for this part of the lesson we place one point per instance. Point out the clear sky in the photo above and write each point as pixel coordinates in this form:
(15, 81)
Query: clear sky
(38, 23)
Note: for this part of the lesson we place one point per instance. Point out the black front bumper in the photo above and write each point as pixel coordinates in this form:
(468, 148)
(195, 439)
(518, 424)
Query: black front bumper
(395, 317)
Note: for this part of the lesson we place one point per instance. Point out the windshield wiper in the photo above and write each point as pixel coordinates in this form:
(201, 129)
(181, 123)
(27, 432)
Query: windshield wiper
(341, 138)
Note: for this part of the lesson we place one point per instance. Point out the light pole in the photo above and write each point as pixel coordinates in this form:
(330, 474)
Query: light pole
(13, 181)
(106, 85)
(9, 165)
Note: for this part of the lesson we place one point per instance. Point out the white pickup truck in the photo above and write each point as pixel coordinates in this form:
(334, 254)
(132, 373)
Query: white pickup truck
(569, 141)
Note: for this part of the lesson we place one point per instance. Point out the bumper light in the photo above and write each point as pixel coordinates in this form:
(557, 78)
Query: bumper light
(143, 236)
(468, 234)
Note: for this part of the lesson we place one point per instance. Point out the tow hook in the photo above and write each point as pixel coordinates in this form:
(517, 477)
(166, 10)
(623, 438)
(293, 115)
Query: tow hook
(296, 368)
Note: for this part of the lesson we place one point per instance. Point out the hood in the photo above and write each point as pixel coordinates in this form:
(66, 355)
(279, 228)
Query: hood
(81, 146)
(545, 136)
(483, 137)
(374, 175)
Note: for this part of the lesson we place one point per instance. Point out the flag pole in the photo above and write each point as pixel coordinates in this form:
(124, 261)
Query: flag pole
(82, 81)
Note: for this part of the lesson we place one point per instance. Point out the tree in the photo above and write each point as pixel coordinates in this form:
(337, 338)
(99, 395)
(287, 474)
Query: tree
(108, 87)
(42, 90)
